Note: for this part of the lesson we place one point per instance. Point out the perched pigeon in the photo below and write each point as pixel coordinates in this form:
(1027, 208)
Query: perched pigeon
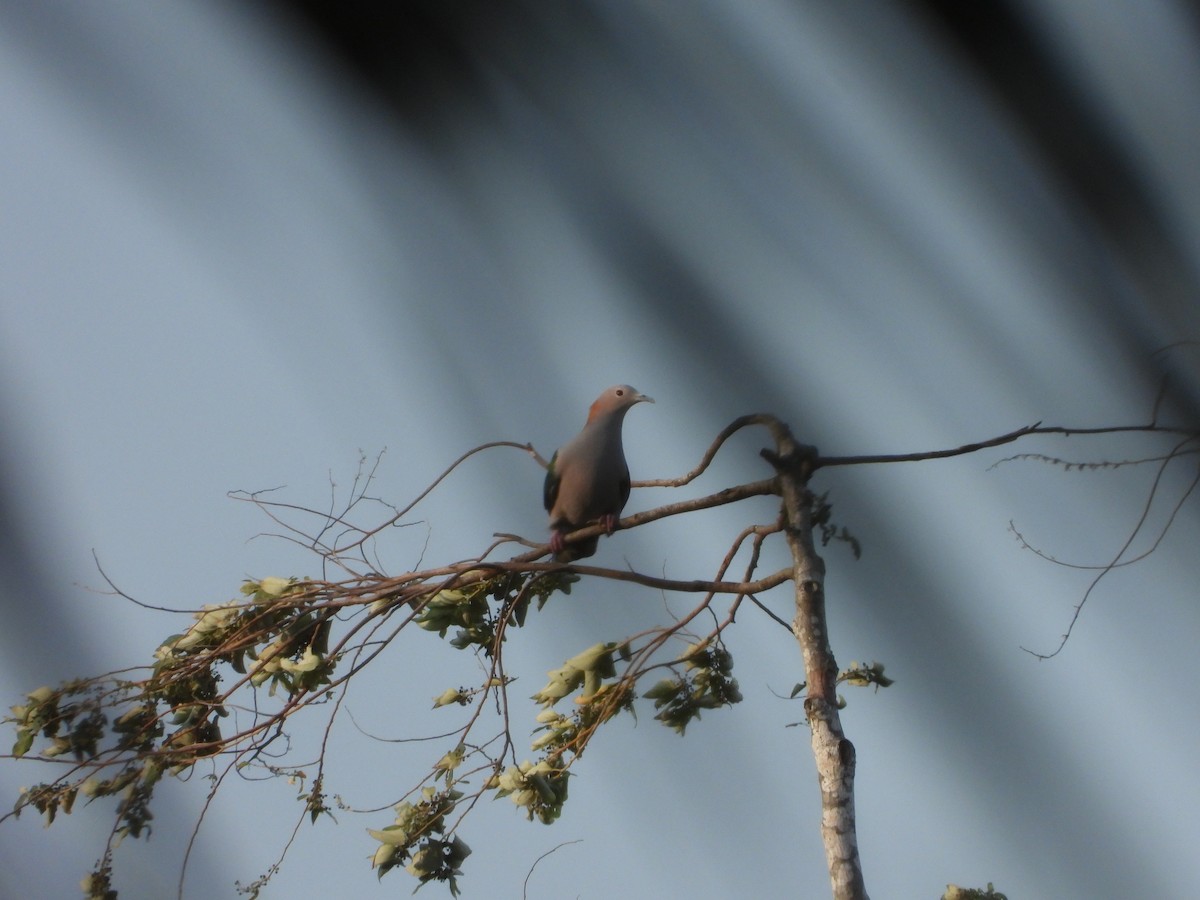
(588, 480)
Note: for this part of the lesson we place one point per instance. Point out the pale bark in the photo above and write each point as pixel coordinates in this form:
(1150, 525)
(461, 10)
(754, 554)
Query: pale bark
(834, 754)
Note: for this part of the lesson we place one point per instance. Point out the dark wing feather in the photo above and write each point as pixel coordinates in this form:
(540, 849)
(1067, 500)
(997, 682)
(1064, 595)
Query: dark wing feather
(550, 487)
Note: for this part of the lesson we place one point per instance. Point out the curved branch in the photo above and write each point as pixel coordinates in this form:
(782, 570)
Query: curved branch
(765, 419)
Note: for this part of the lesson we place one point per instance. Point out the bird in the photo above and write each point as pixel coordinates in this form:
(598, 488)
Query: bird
(587, 479)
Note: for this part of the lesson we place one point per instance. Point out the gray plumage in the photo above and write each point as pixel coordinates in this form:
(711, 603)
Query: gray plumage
(588, 479)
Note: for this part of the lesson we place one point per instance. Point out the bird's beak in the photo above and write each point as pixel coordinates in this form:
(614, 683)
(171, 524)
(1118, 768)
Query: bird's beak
(642, 398)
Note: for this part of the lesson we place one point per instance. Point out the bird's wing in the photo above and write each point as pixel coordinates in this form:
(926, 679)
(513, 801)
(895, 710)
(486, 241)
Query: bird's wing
(550, 487)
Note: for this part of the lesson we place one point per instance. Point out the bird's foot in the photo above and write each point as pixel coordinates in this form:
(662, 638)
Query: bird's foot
(556, 542)
(610, 522)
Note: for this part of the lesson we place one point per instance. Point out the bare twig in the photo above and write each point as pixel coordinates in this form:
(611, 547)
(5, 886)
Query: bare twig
(529, 874)
(1117, 560)
(1036, 428)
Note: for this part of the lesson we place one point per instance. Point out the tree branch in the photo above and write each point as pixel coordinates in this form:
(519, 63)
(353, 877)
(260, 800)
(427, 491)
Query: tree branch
(834, 754)
(126, 730)
(1036, 428)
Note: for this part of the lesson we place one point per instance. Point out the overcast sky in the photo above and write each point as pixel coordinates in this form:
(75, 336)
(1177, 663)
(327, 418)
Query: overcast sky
(238, 250)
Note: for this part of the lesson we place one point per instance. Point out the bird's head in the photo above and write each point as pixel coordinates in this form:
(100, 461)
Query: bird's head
(617, 398)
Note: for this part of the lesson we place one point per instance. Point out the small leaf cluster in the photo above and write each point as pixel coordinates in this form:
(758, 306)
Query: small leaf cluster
(822, 519)
(586, 670)
(97, 884)
(706, 683)
(954, 892)
(418, 837)
(465, 609)
(73, 720)
(561, 732)
(861, 675)
(539, 788)
(297, 659)
(70, 718)
(856, 675)
(477, 621)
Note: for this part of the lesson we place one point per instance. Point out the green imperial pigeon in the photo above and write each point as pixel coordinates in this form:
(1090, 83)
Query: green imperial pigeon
(588, 480)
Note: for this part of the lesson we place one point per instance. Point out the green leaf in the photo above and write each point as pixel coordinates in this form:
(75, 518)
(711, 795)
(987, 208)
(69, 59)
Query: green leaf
(451, 760)
(393, 835)
(24, 742)
(665, 690)
(450, 695)
(382, 857)
(274, 587)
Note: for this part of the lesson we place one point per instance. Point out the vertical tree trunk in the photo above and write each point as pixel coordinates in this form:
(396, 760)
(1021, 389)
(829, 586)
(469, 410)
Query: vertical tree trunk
(834, 754)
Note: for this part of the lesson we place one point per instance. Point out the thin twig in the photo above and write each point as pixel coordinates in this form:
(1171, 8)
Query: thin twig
(1116, 560)
(529, 874)
(1036, 428)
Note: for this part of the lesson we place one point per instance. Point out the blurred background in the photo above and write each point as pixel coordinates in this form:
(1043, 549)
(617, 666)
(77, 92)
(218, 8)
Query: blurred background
(242, 246)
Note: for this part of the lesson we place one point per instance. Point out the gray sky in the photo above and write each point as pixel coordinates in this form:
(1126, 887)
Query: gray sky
(224, 265)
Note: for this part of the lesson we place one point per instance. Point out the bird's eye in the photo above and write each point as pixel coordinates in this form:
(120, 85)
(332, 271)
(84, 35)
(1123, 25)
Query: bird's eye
(620, 393)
